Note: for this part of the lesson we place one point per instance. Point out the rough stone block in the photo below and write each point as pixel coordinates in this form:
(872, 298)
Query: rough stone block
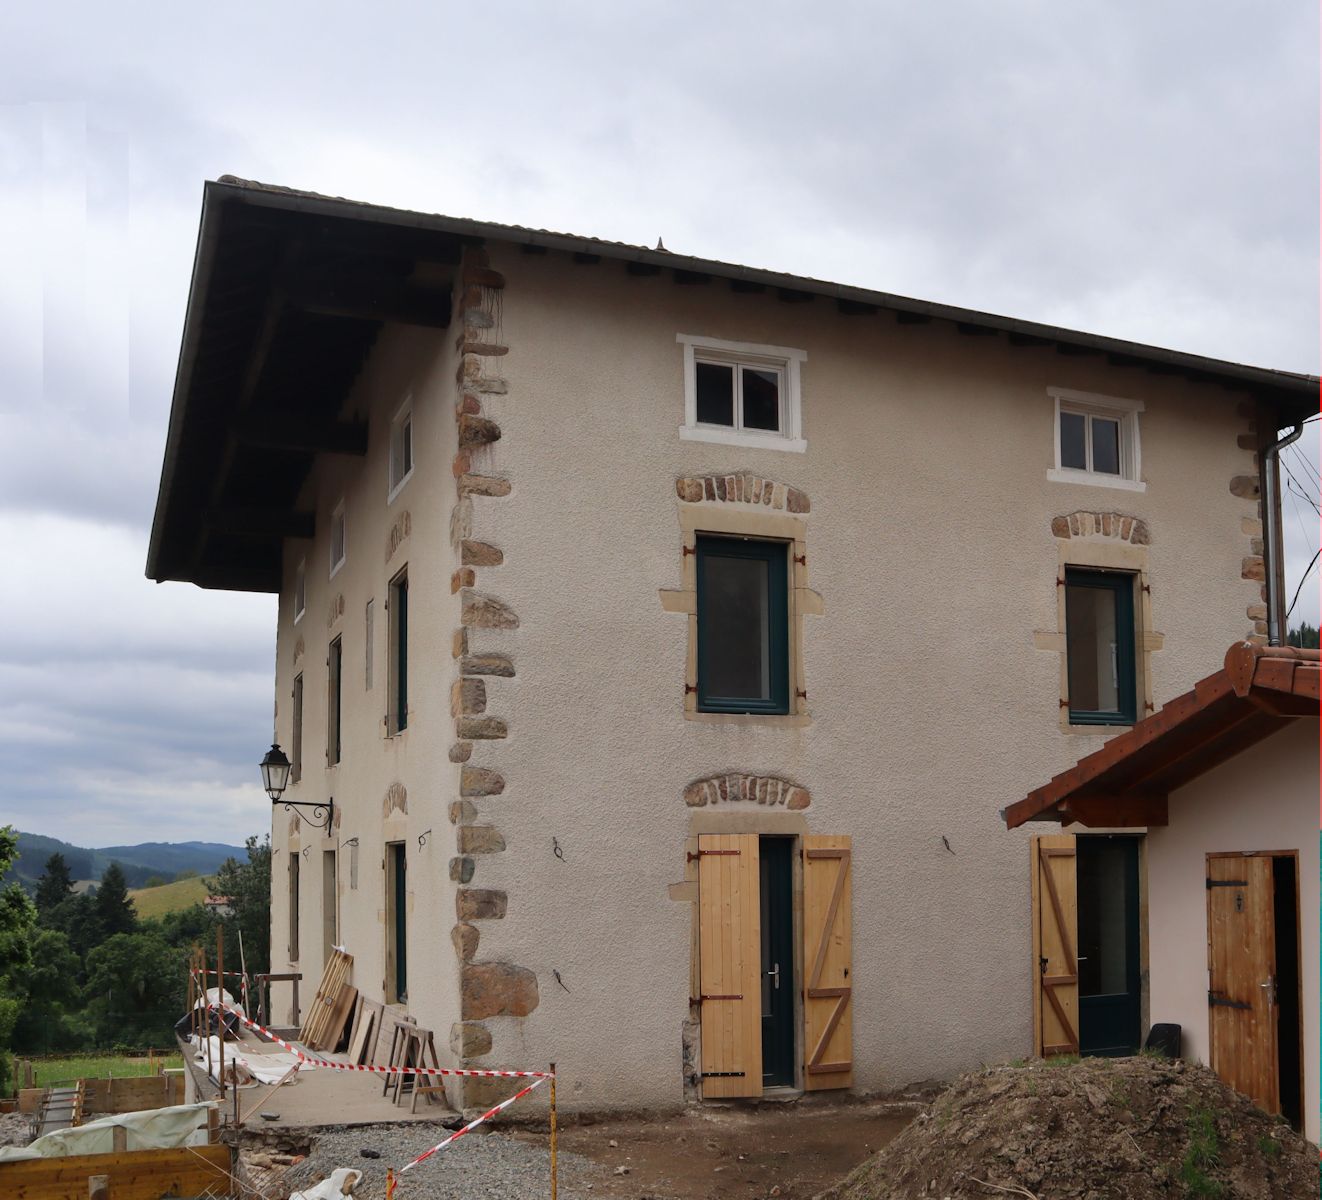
(480, 554)
(467, 696)
(486, 612)
(487, 664)
(465, 938)
(483, 277)
(689, 490)
(481, 728)
(1245, 487)
(483, 485)
(461, 870)
(1256, 612)
(476, 317)
(1140, 536)
(462, 812)
(469, 1039)
(797, 799)
(496, 990)
(477, 431)
(482, 1094)
(1252, 568)
(480, 781)
(480, 904)
(459, 643)
(796, 501)
(479, 839)
(462, 578)
(1060, 527)
(461, 752)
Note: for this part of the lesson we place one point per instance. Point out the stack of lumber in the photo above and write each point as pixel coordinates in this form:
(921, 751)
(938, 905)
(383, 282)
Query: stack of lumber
(333, 1005)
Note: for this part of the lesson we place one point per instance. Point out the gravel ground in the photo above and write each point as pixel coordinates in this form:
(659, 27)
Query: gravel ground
(479, 1166)
(15, 1129)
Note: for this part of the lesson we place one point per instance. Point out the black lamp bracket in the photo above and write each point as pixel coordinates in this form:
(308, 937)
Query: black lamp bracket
(323, 815)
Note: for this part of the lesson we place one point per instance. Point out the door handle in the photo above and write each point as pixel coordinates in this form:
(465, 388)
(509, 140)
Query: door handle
(775, 976)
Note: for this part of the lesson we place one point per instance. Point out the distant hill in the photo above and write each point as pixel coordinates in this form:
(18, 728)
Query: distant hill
(139, 863)
(168, 897)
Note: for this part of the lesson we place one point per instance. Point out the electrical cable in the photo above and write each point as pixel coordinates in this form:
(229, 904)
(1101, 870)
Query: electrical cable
(1303, 581)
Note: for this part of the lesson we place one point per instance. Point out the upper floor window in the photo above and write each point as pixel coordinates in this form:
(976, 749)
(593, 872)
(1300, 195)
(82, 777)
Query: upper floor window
(337, 538)
(741, 394)
(334, 694)
(300, 590)
(1096, 440)
(401, 449)
(397, 701)
(1099, 647)
(743, 625)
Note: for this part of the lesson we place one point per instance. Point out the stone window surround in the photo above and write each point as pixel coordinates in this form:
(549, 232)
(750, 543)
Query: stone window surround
(784, 357)
(1115, 408)
(1105, 554)
(746, 522)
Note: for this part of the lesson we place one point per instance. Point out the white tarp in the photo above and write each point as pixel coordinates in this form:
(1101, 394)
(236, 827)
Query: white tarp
(263, 1068)
(341, 1183)
(153, 1129)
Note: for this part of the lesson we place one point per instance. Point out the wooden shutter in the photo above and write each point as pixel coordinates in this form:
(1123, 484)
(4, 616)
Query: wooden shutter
(1241, 959)
(1055, 946)
(730, 950)
(828, 985)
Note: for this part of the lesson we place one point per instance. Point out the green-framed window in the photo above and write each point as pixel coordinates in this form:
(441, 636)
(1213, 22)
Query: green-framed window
(1100, 647)
(743, 625)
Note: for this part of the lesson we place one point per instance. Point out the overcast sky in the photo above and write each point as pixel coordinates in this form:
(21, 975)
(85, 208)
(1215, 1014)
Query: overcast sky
(1143, 170)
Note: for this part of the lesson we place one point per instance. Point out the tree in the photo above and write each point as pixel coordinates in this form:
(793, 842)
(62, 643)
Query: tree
(55, 884)
(1304, 636)
(135, 989)
(114, 910)
(18, 919)
(51, 1017)
(75, 917)
(248, 886)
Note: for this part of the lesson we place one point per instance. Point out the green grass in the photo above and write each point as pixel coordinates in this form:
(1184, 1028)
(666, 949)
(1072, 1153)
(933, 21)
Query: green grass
(1063, 1060)
(48, 1072)
(168, 898)
(1269, 1147)
(1203, 1154)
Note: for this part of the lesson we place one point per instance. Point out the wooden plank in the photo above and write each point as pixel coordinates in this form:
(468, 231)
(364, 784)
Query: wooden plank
(363, 1029)
(730, 948)
(1055, 927)
(828, 961)
(1241, 955)
(133, 1174)
(339, 1017)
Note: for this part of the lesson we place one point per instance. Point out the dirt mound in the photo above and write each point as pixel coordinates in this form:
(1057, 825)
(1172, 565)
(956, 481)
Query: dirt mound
(1102, 1129)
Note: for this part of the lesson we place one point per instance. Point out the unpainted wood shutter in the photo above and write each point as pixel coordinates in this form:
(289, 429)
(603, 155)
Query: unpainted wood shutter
(1241, 958)
(730, 951)
(828, 1036)
(1055, 945)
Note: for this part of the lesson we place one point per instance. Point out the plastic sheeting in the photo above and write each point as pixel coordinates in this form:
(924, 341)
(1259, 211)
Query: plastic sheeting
(333, 1188)
(154, 1129)
(264, 1068)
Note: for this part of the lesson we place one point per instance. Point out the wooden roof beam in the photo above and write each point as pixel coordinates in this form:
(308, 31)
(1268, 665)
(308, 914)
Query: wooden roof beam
(282, 432)
(261, 522)
(371, 298)
(1123, 810)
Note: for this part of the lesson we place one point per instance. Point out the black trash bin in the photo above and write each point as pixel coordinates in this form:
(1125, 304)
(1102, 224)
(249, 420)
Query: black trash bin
(1165, 1039)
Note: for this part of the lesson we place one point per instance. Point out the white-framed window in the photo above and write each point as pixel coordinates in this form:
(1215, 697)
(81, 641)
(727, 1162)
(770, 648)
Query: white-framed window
(741, 394)
(1097, 440)
(337, 538)
(401, 449)
(300, 590)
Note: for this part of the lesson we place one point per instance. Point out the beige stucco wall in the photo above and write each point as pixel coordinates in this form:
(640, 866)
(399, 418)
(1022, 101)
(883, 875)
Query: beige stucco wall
(929, 542)
(404, 363)
(1264, 799)
(929, 705)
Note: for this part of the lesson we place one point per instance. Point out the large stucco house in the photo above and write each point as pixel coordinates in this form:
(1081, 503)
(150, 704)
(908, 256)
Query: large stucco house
(667, 632)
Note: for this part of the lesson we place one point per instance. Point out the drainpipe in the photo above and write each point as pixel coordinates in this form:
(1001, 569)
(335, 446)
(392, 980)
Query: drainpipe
(1271, 544)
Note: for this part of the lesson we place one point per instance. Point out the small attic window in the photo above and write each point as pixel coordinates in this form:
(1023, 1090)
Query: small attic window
(337, 539)
(1096, 440)
(300, 590)
(741, 394)
(401, 449)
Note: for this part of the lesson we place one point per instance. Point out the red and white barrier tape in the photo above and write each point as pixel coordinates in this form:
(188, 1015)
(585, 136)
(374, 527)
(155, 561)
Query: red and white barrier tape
(313, 1060)
(486, 1116)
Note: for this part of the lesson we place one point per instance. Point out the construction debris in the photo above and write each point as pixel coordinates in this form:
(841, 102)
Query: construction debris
(1144, 1128)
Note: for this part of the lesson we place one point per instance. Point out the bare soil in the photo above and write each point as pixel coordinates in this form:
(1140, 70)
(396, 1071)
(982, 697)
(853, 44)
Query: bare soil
(791, 1151)
(1102, 1129)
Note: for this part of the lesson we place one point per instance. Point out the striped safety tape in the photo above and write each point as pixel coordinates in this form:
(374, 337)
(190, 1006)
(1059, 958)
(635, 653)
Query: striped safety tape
(313, 1060)
(486, 1116)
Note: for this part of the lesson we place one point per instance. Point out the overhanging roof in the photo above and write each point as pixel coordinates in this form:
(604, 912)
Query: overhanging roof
(290, 290)
(1127, 782)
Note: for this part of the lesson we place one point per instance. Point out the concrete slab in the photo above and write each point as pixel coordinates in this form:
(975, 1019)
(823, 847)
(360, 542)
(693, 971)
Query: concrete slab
(314, 1097)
